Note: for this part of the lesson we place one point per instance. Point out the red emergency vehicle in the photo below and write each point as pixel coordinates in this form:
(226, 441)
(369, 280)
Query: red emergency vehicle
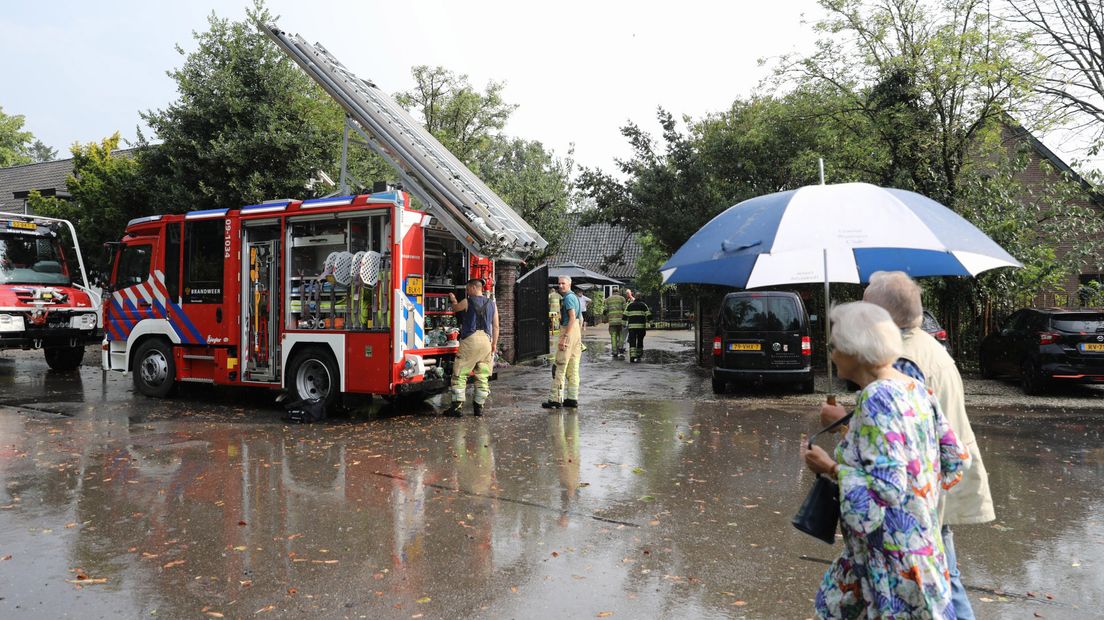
(45, 300)
(322, 297)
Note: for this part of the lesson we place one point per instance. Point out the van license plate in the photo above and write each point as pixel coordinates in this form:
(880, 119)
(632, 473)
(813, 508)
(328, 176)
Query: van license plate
(1093, 346)
(744, 346)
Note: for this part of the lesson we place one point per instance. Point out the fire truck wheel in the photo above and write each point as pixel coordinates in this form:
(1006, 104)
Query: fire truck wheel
(312, 375)
(64, 358)
(154, 369)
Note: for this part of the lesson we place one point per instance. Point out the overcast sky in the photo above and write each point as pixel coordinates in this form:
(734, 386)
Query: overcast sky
(578, 70)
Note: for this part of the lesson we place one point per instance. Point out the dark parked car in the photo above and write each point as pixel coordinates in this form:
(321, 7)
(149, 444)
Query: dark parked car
(1042, 346)
(762, 337)
(935, 330)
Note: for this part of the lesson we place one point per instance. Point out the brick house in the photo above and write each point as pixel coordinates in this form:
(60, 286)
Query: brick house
(1043, 167)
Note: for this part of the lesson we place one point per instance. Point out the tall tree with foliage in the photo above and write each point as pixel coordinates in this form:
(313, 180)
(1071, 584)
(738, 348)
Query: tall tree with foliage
(18, 146)
(107, 190)
(248, 125)
(760, 145)
(930, 75)
(463, 119)
(1069, 38)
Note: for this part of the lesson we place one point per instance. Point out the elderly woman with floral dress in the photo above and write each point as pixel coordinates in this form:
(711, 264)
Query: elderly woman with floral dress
(896, 456)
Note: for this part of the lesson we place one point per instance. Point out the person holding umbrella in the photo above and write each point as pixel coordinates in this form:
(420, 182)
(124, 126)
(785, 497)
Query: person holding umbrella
(969, 502)
(897, 456)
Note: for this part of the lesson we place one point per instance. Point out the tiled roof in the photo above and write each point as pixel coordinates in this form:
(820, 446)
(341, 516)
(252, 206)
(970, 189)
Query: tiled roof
(45, 176)
(50, 175)
(607, 249)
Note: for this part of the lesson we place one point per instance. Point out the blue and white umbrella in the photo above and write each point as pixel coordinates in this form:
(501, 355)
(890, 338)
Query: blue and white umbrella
(833, 233)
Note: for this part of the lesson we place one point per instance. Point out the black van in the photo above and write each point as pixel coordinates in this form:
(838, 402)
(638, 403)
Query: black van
(762, 337)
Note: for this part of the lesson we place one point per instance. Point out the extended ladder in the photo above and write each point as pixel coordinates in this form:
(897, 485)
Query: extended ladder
(466, 207)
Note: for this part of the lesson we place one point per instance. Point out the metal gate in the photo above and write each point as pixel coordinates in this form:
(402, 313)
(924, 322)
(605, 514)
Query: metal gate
(531, 313)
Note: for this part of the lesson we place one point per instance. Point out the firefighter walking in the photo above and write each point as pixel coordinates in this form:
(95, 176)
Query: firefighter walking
(569, 352)
(615, 312)
(636, 318)
(478, 341)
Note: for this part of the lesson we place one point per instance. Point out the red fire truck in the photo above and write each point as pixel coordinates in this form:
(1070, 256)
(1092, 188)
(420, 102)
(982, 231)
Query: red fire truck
(45, 300)
(333, 295)
(321, 297)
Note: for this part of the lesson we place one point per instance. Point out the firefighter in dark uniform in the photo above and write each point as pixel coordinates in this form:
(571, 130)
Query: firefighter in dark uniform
(636, 319)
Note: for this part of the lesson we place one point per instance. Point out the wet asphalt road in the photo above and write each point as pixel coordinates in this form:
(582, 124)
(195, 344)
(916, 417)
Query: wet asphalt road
(656, 499)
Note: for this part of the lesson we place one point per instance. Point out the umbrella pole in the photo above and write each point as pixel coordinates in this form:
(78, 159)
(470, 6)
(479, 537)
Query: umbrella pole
(827, 326)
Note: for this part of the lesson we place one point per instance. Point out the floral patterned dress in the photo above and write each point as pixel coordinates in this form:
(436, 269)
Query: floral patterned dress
(896, 456)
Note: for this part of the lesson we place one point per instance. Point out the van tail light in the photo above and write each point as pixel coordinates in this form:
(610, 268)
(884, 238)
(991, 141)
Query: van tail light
(806, 345)
(717, 346)
(1048, 337)
(940, 335)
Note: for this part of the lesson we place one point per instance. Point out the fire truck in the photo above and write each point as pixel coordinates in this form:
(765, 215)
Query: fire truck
(45, 300)
(324, 297)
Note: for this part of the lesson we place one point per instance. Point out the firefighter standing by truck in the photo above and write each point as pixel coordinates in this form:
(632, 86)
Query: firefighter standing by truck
(478, 341)
(615, 311)
(636, 318)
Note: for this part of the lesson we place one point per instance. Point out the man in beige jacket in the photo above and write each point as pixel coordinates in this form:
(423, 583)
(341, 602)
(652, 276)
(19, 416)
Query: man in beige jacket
(969, 501)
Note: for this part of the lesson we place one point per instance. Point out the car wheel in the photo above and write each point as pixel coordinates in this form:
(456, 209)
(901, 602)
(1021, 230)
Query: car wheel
(64, 358)
(312, 376)
(719, 385)
(154, 369)
(1033, 382)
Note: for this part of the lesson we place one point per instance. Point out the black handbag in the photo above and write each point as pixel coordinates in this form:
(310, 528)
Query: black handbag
(820, 512)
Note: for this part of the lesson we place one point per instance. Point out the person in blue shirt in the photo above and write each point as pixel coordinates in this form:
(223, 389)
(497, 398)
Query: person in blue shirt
(569, 351)
(478, 342)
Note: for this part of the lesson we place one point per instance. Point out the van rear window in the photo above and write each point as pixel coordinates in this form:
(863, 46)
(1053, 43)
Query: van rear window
(761, 314)
(1087, 323)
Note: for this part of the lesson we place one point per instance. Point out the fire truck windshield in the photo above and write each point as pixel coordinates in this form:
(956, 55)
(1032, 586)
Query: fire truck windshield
(31, 259)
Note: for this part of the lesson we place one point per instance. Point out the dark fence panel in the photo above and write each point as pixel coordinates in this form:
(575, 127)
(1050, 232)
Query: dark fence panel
(531, 313)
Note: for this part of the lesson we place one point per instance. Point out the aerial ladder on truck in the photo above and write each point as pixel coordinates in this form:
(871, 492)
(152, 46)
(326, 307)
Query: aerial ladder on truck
(477, 216)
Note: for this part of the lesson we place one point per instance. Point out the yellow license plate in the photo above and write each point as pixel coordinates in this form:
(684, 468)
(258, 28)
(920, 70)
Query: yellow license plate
(1092, 346)
(413, 286)
(24, 225)
(744, 346)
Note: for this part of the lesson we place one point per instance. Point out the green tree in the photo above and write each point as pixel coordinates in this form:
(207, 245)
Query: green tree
(15, 143)
(929, 75)
(40, 152)
(463, 119)
(107, 190)
(248, 126)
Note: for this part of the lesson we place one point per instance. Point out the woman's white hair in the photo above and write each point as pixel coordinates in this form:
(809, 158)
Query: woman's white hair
(898, 294)
(866, 332)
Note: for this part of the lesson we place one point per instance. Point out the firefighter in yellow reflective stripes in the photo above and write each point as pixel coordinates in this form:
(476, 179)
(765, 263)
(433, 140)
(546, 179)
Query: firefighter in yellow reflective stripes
(615, 311)
(636, 318)
(569, 352)
(478, 341)
(554, 310)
